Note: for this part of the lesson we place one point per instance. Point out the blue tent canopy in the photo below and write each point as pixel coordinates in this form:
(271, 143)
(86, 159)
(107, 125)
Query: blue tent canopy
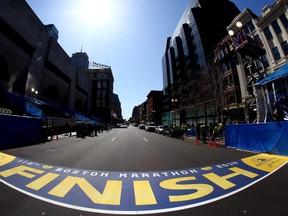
(36, 107)
(21, 102)
(84, 118)
(280, 73)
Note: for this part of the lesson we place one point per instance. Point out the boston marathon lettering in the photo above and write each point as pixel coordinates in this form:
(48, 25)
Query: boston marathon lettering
(135, 192)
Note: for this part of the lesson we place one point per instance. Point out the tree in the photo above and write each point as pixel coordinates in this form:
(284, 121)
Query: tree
(201, 89)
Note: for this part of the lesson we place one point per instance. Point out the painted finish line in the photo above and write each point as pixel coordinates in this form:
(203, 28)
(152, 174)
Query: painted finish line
(135, 192)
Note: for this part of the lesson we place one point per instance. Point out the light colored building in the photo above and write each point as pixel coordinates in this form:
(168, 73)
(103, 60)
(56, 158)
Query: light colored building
(243, 61)
(273, 29)
(254, 48)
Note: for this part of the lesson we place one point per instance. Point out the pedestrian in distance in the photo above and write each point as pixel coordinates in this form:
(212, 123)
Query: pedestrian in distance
(198, 131)
(215, 133)
(278, 114)
(220, 129)
(95, 129)
(203, 129)
(211, 127)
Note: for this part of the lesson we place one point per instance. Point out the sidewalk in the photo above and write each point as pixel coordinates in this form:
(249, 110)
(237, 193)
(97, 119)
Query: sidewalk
(192, 139)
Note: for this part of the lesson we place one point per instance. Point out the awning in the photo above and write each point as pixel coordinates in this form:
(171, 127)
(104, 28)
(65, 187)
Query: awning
(83, 118)
(21, 102)
(35, 107)
(280, 73)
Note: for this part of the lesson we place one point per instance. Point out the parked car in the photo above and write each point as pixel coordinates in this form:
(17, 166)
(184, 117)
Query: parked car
(142, 126)
(167, 130)
(150, 126)
(159, 129)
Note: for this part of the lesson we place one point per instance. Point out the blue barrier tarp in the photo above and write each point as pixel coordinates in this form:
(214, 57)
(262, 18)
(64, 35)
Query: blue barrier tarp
(19, 129)
(280, 73)
(269, 137)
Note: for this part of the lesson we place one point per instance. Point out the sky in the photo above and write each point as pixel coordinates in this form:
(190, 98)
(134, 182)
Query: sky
(128, 35)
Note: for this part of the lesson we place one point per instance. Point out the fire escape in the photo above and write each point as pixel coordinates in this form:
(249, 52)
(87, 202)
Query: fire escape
(251, 53)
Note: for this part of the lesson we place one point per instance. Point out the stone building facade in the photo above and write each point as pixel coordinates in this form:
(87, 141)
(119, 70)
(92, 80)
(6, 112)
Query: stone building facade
(255, 47)
(31, 58)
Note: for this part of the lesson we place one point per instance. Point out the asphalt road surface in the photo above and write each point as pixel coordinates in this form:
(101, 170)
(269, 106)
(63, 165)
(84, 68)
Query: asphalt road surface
(129, 171)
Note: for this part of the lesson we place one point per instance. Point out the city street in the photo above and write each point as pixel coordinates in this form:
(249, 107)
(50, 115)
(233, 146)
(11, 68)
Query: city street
(129, 171)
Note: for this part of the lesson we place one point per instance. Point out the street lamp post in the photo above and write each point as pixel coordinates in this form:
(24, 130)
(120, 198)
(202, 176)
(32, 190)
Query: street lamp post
(238, 39)
(239, 25)
(33, 92)
(153, 116)
(174, 102)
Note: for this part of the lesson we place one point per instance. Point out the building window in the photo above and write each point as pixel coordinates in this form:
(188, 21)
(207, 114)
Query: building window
(258, 40)
(226, 67)
(276, 27)
(249, 28)
(98, 103)
(104, 103)
(276, 53)
(104, 93)
(285, 47)
(284, 20)
(220, 54)
(228, 82)
(230, 99)
(104, 84)
(267, 33)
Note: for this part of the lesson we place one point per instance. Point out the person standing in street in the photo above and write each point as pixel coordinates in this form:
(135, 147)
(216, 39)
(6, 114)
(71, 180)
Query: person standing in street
(278, 114)
(203, 129)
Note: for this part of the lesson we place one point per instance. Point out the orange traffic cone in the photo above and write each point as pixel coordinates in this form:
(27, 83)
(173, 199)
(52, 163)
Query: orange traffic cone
(196, 142)
(215, 144)
(210, 142)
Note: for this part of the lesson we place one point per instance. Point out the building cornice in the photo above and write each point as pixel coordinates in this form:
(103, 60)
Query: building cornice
(274, 10)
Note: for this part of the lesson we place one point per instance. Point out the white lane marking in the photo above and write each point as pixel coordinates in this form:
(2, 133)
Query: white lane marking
(145, 139)
(113, 139)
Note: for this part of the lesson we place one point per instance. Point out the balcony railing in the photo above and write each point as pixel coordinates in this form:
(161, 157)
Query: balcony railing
(241, 39)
